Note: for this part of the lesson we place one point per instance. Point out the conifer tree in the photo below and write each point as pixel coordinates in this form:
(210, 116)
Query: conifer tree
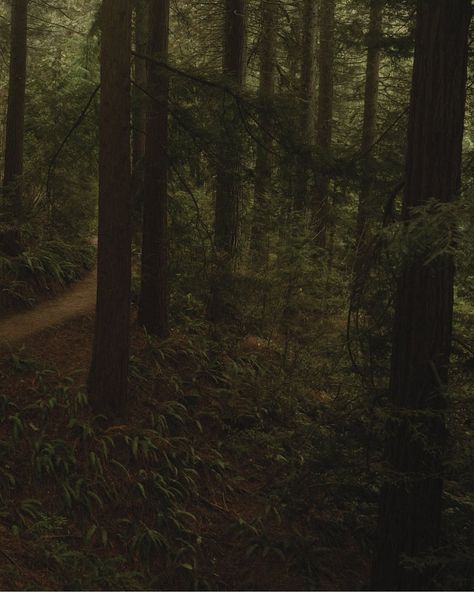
(13, 171)
(228, 178)
(369, 131)
(324, 126)
(306, 102)
(410, 512)
(108, 376)
(154, 297)
(139, 97)
(263, 165)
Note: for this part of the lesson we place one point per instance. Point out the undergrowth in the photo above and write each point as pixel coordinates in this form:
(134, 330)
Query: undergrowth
(219, 478)
(41, 270)
(244, 463)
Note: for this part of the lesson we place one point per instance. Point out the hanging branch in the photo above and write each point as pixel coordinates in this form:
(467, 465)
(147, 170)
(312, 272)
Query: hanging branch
(240, 105)
(77, 123)
(217, 86)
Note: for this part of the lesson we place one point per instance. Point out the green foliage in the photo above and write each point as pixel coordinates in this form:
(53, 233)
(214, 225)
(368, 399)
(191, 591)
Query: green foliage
(42, 269)
(111, 485)
(255, 446)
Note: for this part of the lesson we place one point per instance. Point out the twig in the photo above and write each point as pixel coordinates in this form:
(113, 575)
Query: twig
(12, 561)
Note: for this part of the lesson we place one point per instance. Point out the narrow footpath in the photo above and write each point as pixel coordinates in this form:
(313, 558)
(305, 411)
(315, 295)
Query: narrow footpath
(76, 301)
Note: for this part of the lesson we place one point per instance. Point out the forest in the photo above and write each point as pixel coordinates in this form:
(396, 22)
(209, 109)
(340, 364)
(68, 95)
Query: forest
(236, 295)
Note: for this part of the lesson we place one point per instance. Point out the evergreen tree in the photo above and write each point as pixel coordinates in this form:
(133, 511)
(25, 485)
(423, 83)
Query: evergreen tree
(307, 102)
(13, 172)
(325, 117)
(369, 130)
(228, 178)
(410, 512)
(139, 97)
(108, 376)
(263, 165)
(154, 297)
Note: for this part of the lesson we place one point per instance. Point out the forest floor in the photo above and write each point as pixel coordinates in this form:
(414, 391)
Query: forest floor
(251, 478)
(236, 468)
(230, 471)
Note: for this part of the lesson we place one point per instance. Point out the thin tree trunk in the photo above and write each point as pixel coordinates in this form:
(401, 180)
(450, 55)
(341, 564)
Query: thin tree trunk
(290, 157)
(325, 118)
(228, 181)
(139, 98)
(369, 133)
(308, 62)
(108, 377)
(228, 190)
(13, 172)
(410, 512)
(154, 295)
(263, 165)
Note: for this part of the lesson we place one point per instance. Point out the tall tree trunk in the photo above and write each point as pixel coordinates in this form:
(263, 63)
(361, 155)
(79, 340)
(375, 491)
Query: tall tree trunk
(139, 98)
(228, 189)
(13, 172)
(228, 181)
(325, 117)
(308, 62)
(263, 165)
(369, 133)
(289, 159)
(410, 512)
(154, 296)
(108, 375)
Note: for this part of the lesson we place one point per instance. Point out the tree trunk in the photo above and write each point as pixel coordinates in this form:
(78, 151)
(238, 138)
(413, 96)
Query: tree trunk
(263, 165)
(139, 98)
(410, 513)
(308, 55)
(228, 180)
(369, 133)
(325, 118)
(228, 190)
(108, 375)
(13, 172)
(154, 295)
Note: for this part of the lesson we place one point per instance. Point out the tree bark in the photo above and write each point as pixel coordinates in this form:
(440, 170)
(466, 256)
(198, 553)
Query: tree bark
(307, 82)
(410, 512)
(13, 172)
(228, 179)
(325, 118)
(108, 377)
(139, 98)
(369, 132)
(228, 188)
(263, 165)
(154, 295)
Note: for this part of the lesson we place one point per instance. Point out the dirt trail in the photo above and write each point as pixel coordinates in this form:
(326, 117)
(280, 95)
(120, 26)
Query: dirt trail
(76, 301)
